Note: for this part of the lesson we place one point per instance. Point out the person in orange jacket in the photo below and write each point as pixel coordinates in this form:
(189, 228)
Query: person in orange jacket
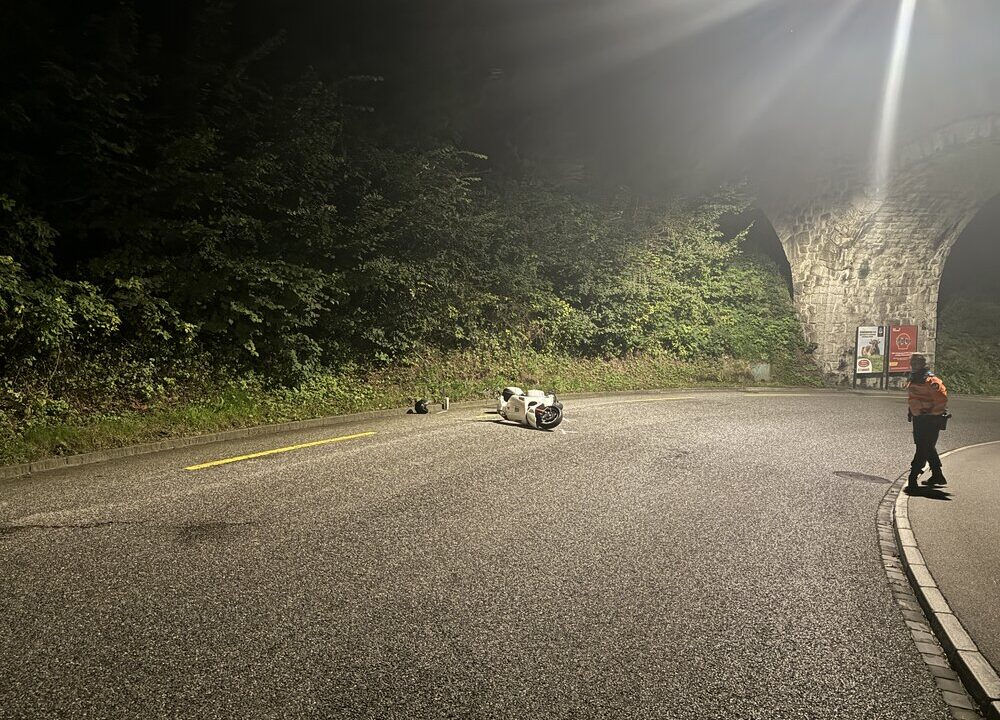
(928, 400)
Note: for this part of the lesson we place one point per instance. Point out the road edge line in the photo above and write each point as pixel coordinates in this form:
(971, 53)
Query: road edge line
(277, 451)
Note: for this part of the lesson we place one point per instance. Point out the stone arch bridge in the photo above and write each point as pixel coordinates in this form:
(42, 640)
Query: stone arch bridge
(859, 259)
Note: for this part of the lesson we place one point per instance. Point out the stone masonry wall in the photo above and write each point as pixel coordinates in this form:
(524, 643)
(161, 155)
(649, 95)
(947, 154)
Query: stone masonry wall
(861, 260)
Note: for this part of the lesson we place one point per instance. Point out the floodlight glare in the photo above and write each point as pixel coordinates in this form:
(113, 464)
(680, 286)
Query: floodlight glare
(891, 100)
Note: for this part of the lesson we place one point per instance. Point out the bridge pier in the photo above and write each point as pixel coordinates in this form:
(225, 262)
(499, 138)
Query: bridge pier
(858, 258)
(866, 264)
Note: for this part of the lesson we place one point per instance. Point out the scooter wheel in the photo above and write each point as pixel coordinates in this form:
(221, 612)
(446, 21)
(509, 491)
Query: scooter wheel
(548, 417)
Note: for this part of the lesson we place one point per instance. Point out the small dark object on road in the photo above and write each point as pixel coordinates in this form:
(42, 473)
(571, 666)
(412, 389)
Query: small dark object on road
(419, 408)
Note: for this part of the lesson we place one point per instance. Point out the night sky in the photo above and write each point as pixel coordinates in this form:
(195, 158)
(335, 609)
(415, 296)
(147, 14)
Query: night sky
(651, 92)
(662, 96)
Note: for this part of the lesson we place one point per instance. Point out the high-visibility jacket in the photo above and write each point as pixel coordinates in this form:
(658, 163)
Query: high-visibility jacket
(927, 396)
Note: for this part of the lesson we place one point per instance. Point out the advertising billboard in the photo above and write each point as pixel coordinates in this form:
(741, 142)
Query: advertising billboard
(870, 350)
(902, 344)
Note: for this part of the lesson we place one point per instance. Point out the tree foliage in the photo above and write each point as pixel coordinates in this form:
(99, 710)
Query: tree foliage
(161, 203)
(968, 353)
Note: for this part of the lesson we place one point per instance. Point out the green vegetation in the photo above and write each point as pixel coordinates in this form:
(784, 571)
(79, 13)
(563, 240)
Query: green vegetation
(252, 400)
(968, 352)
(186, 246)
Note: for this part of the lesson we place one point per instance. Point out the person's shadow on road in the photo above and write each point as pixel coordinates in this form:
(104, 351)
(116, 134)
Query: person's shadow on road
(931, 492)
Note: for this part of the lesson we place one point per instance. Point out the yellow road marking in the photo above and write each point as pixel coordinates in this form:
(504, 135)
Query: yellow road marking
(264, 453)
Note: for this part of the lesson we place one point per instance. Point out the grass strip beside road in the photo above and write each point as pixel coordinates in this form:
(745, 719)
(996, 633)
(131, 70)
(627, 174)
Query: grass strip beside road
(289, 448)
(88, 421)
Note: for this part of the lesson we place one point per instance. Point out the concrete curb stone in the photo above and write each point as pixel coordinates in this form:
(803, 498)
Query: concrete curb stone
(946, 679)
(979, 676)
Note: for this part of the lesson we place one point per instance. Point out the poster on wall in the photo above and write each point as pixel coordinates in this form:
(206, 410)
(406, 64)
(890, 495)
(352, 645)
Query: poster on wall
(870, 353)
(902, 344)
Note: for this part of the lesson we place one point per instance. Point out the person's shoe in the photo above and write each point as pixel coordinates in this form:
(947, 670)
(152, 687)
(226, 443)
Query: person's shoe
(937, 478)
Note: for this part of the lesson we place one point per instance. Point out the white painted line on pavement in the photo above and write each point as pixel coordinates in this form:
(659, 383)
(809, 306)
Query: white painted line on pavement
(969, 447)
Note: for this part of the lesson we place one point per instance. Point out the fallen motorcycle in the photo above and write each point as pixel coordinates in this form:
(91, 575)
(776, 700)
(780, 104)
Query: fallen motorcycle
(533, 408)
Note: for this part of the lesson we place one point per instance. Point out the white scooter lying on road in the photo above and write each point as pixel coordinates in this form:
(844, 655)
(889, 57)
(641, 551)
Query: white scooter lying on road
(533, 408)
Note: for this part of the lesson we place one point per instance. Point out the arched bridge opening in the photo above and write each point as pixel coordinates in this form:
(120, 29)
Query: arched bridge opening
(761, 242)
(968, 347)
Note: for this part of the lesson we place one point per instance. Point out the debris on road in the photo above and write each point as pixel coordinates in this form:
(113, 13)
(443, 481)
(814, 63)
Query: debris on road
(419, 407)
(534, 408)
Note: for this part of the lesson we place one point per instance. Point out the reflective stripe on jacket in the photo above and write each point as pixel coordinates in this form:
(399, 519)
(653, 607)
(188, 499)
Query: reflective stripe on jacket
(929, 397)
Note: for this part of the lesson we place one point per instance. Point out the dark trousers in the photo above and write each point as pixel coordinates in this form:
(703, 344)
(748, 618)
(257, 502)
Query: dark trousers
(925, 436)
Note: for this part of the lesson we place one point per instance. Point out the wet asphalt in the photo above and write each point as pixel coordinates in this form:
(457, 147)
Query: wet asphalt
(652, 558)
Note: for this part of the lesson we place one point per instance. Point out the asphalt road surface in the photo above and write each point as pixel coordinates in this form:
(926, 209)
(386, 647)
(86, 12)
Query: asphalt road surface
(675, 556)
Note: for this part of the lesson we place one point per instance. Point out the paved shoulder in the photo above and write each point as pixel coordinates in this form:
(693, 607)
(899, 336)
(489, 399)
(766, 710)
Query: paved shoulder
(958, 531)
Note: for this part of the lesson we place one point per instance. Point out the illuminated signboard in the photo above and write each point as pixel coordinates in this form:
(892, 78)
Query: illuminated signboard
(902, 344)
(870, 353)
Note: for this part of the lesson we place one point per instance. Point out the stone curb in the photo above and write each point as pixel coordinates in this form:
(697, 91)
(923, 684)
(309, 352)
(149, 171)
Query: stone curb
(10, 472)
(975, 670)
(948, 682)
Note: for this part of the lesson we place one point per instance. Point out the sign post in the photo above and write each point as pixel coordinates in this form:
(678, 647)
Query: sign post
(869, 353)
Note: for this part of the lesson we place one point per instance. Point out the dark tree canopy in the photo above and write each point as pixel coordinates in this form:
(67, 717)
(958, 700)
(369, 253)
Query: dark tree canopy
(182, 191)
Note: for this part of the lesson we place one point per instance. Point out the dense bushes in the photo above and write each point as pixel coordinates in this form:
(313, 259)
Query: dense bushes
(968, 353)
(169, 221)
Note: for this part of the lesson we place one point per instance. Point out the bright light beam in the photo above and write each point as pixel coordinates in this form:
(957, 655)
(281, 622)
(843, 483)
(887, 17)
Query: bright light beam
(763, 89)
(889, 122)
(656, 26)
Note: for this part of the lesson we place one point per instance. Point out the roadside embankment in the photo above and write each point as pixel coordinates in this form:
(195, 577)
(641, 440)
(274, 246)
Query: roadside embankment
(81, 425)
